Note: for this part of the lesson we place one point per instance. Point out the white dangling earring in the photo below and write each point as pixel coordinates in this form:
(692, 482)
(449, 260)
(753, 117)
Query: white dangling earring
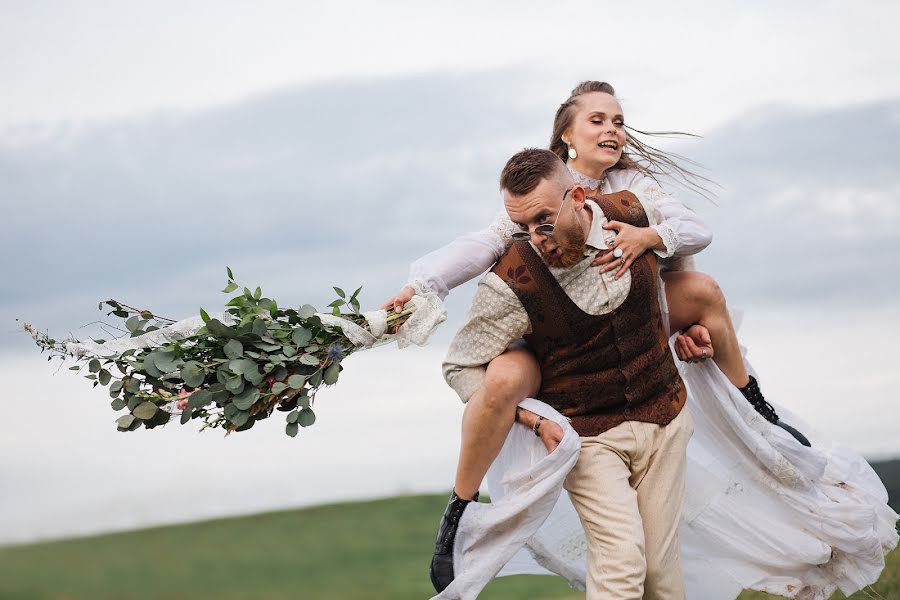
(572, 154)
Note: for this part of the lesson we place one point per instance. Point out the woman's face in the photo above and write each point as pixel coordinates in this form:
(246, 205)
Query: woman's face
(597, 133)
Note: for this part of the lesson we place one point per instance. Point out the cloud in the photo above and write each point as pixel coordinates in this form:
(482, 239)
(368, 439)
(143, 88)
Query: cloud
(346, 182)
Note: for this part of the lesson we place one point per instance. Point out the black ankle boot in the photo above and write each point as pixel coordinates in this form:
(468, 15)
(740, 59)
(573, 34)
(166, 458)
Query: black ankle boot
(754, 396)
(442, 561)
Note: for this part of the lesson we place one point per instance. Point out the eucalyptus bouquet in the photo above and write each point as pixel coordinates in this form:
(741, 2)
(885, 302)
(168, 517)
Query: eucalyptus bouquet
(230, 371)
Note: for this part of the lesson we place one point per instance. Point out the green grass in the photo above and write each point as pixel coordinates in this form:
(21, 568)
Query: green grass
(369, 550)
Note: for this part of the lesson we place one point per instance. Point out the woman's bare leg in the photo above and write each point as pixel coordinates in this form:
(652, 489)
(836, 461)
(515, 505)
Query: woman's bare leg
(696, 298)
(490, 413)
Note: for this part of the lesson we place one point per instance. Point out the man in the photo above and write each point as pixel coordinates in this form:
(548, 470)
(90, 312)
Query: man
(605, 363)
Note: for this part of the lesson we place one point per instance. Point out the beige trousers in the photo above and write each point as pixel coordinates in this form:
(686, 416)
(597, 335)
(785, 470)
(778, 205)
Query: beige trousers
(628, 489)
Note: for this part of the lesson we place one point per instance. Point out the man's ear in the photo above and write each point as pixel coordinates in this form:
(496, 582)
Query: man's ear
(578, 196)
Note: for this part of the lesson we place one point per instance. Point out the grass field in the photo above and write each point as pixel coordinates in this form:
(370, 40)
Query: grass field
(376, 550)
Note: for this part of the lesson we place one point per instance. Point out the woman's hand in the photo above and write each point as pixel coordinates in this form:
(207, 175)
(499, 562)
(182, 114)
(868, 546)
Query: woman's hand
(397, 302)
(550, 432)
(694, 344)
(632, 241)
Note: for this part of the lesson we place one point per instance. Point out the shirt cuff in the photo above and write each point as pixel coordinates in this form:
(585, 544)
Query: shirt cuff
(668, 239)
(466, 381)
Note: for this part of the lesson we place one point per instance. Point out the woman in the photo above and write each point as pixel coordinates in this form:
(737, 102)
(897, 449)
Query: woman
(589, 135)
(761, 510)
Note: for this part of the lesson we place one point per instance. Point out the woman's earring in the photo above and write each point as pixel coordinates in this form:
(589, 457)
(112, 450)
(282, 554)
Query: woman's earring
(572, 154)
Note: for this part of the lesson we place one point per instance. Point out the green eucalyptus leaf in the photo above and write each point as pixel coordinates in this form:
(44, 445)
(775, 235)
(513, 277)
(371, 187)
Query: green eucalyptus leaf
(150, 366)
(145, 410)
(199, 399)
(185, 417)
(306, 417)
(246, 399)
(292, 416)
(239, 365)
(193, 374)
(230, 287)
(204, 315)
(307, 311)
(235, 384)
(230, 275)
(339, 292)
(289, 351)
(257, 294)
(104, 377)
(234, 349)
(118, 404)
(219, 329)
(331, 373)
(316, 379)
(254, 376)
(291, 429)
(259, 327)
(132, 386)
(309, 359)
(301, 336)
(240, 418)
(279, 387)
(133, 323)
(296, 381)
(230, 411)
(94, 365)
(165, 361)
(125, 421)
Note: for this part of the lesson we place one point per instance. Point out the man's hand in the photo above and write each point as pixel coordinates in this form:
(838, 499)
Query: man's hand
(632, 241)
(397, 302)
(694, 344)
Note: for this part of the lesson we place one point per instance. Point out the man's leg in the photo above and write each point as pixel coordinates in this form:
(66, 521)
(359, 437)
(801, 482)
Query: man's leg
(490, 413)
(696, 298)
(660, 499)
(601, 490)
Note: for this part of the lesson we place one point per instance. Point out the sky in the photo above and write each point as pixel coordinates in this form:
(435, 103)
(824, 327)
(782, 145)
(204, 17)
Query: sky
(144, 148)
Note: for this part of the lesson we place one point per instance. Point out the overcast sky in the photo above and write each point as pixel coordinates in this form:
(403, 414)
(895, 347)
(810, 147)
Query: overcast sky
(144, 148)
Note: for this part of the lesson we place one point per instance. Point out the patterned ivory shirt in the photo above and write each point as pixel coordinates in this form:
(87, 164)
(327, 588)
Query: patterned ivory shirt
(497, 317)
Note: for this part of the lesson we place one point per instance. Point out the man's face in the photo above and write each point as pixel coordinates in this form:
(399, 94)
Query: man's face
(543, 205)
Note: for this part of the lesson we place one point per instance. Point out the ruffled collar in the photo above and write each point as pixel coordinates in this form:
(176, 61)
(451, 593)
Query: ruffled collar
(585, 181)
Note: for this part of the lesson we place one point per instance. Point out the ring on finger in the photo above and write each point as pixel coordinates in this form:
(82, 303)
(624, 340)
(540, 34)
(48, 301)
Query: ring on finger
(618, 253)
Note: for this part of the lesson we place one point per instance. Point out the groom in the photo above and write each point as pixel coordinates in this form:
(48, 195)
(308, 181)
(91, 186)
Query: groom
(605, 363)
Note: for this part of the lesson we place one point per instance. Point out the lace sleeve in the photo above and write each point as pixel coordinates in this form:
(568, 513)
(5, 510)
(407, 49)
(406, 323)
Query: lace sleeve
(682, 231)
(461, 260)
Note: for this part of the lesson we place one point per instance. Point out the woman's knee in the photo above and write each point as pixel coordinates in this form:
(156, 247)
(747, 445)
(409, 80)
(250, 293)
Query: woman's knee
(512, 376)
(701, 289)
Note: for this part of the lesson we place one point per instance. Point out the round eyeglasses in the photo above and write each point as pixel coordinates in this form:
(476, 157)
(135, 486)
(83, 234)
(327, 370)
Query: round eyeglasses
(545, 230)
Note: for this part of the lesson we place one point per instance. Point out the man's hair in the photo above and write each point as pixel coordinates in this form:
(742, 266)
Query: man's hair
(527, 168)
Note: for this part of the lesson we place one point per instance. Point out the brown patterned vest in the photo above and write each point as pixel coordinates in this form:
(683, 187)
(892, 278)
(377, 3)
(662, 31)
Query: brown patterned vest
(599, 370)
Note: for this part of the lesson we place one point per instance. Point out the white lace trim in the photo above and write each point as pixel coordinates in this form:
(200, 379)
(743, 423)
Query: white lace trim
(503, 227)
(587, 182)
(420, 287)
(669, 240)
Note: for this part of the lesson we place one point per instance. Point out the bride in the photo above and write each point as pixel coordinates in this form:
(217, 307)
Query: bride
(762, 511)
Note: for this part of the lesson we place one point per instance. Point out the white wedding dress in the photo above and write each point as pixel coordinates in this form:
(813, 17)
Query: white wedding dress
(761, 510)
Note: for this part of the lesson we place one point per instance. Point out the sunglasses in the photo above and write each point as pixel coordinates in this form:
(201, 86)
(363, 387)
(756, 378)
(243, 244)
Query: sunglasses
(545, 230)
